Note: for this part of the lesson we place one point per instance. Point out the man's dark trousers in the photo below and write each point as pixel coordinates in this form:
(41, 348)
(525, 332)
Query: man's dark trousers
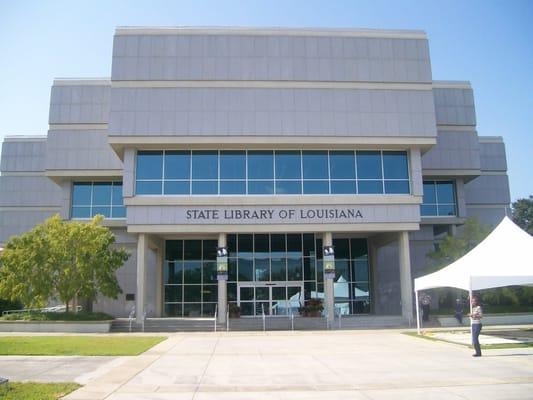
(476, 330)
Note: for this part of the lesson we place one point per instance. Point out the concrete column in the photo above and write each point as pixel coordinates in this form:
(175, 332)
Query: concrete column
(329, 295)
(405, 277)
(373, 260)
(159, 283)
(140, 297)
(222, 287)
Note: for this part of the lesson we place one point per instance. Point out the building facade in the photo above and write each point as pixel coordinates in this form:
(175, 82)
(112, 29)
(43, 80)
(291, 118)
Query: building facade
(272, 145)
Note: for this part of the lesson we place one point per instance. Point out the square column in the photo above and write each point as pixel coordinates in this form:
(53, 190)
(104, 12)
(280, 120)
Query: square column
(222, 285)
(140, 299)
(406, 283)
(329, 295)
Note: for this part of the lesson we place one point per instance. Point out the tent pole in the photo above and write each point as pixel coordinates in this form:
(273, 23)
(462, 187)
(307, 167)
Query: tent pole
(417, 313)
(470, 300)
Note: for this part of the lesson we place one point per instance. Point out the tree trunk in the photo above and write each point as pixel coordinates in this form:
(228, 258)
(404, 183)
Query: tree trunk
(66, 306)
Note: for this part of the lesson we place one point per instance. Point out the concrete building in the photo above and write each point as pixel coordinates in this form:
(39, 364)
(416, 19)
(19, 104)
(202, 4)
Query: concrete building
(270, 144)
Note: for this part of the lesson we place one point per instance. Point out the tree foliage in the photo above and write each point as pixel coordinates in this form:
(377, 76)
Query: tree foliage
(63, 260)
(454, 247)
(523, 214)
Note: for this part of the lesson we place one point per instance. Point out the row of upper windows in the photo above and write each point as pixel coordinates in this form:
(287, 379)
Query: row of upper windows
(105, 198)
(268, 172)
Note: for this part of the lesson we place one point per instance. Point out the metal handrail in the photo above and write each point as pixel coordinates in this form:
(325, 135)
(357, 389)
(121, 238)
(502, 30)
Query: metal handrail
(264, 319)
(227, 321)
(216, 314)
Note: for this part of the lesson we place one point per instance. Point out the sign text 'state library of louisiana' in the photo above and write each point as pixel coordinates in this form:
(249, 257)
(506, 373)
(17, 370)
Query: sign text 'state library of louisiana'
(261, 167)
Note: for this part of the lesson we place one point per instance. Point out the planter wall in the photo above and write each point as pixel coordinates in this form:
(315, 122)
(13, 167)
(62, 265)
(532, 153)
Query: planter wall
(56, 326)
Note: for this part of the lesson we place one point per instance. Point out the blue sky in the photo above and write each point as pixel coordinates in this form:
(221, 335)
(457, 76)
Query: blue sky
(489, 43)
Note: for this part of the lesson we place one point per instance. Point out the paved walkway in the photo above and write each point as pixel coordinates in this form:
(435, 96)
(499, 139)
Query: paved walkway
(314, 365)
(57, 368)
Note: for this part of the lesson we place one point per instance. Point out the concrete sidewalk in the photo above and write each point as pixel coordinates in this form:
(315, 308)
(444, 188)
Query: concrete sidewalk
(314, 365)
(57, 368)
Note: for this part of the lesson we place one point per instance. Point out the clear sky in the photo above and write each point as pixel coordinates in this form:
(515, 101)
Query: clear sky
(489, 43)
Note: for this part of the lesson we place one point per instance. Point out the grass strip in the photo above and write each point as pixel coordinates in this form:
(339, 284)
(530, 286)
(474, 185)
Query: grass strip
(483, 346)
(77, 345)
(36, 391)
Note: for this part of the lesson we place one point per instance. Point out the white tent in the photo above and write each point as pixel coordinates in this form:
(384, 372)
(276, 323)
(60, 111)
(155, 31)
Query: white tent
(504, 258)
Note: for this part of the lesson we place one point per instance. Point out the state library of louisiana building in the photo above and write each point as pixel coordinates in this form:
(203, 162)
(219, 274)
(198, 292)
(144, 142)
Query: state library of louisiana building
(261, 167)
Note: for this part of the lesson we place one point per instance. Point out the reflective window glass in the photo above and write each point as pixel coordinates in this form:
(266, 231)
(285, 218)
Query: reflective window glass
(204, 187)
(430, 195)
(81, 212)
(81, 193)
(233, 165)
(118, 212)
(395, 165)
(342, 164)
(427, 210)
(117, 194)
(101, 193)
(369, 165)
(343, 187)
(446, 209)
(397, 187)
(99, 210)
(148, 187)
(316, 187)
(370, 187)
(204, 165)
(288, 165)
(177, 164)
(260, 187)
(149, 165)
(177, 187)
(260, 165)
(315, 164)
(232, 187)
(288, 187)
(445, 192)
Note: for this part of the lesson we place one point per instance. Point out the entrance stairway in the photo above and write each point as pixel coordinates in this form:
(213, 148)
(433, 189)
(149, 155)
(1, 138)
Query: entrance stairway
(256, 324)
(167, 325)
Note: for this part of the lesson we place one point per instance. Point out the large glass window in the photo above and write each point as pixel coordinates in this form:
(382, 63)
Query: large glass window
(269, 172)
(190, 278)
(93, 198)
(439, 199)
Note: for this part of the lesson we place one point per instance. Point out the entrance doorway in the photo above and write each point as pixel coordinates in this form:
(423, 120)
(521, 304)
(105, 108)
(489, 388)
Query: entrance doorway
(272, 298)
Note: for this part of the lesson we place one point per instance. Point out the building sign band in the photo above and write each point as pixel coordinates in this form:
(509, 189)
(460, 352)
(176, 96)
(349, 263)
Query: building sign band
(272, 214)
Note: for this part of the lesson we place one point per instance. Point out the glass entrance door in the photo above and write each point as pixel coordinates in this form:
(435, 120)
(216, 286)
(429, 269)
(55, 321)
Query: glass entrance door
(281, 298)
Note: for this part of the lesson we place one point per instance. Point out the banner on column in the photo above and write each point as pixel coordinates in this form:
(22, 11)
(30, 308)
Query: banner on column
(222, 264)
(329, 262)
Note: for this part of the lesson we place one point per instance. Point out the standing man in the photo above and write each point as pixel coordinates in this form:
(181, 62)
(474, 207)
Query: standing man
(475, 319)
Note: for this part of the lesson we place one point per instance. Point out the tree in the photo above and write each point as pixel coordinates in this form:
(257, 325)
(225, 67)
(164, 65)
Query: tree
(59, 259)
(523, 214)
(452, 248)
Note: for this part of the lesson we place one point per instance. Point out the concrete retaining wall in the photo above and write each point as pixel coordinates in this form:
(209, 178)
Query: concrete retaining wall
(56, 326)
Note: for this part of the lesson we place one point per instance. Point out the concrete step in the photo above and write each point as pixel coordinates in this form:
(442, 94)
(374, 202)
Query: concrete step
(256, 324)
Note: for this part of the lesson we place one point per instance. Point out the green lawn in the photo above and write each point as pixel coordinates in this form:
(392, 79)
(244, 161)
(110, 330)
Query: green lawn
(76, 345)
(36, 391)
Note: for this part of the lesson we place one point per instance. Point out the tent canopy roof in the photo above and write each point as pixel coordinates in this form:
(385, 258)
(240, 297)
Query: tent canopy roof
(504, 258)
